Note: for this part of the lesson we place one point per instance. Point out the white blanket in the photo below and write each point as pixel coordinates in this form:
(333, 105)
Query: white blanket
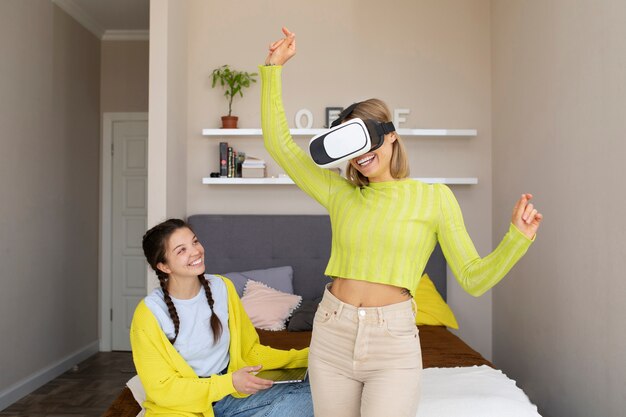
(139, 394)
(478, 391)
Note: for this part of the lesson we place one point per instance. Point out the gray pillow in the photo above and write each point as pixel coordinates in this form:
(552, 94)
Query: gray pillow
(279, 278)
(302, 318)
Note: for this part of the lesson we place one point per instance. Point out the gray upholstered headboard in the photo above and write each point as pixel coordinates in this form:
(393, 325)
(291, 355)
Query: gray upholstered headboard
(235, 243)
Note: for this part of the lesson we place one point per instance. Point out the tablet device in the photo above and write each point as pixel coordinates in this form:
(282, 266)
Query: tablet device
(283, 375)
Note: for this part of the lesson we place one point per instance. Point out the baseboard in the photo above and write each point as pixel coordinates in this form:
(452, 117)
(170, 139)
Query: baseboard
(45, 375)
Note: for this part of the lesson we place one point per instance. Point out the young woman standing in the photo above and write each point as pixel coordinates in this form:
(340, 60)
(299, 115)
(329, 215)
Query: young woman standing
(365, 357)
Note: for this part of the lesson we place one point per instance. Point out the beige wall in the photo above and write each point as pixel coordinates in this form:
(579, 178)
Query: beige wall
(167, 150)
(124, 76)
(559, 96)
(49, 113)
(430, 57)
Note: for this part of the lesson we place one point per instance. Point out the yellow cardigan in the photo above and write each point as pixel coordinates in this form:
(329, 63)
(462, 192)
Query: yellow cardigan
(173, 388)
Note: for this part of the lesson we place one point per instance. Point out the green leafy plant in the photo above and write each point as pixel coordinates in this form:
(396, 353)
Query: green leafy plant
(233, 81)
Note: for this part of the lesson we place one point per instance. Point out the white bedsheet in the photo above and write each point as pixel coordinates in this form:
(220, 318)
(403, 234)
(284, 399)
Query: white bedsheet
(478, 391)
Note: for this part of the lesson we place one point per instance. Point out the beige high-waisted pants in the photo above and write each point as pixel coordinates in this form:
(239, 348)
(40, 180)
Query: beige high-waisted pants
(365, 361)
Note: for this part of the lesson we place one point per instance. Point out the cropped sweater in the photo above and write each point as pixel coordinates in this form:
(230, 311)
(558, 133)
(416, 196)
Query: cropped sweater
(385, 232)
(171, 385)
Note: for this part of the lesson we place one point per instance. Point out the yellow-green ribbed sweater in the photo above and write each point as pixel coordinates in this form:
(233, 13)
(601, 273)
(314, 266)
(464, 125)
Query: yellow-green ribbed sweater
(385, 232)
(173, 388)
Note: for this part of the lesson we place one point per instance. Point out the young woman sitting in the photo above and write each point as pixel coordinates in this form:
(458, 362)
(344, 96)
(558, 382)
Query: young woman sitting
(195, 349)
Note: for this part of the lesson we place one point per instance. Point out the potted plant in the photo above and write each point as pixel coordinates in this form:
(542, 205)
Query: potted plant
(233, 82)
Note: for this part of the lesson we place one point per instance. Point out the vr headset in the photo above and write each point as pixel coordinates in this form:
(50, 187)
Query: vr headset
(348, 140)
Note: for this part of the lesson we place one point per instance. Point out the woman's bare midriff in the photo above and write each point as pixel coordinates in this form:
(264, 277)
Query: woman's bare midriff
(367, 294)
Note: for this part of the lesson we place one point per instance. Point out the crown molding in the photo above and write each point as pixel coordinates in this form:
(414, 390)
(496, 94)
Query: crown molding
(77, 12)
(126, 35)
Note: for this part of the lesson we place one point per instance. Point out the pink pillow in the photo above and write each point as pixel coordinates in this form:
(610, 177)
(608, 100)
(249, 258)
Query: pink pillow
(268, 308)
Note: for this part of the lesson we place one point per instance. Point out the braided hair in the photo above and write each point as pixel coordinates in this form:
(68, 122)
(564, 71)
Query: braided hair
(216, 324)
(154, 248)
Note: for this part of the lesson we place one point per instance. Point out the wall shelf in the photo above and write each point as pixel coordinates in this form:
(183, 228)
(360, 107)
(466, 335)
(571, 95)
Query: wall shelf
(288, 181)
(313, 132)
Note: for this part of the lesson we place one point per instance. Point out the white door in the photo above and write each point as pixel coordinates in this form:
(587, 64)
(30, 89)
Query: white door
(129, 210)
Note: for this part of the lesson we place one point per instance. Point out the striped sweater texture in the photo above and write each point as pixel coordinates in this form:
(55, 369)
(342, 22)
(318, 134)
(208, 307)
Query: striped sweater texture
(385, 232)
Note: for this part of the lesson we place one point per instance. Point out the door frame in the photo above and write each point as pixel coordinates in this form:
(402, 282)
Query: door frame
(106, 221)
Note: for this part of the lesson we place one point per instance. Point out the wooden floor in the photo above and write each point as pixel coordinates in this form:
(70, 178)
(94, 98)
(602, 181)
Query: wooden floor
(85, 391)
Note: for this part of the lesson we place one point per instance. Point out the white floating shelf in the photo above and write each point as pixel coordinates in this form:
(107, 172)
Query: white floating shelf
(313, 132)
(287, 181)
(450, 181)
(231, 132)
(437, 132)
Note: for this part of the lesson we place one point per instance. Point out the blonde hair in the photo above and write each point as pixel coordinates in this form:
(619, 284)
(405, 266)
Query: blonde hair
(376, 109)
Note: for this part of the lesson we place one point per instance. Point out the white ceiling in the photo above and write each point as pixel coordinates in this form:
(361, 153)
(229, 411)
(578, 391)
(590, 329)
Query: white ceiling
(111, 19)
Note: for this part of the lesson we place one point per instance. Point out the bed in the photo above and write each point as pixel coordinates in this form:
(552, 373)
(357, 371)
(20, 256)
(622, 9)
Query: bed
(457, 380)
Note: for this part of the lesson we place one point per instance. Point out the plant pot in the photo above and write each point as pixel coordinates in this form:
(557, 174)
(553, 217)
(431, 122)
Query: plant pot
(229, 122)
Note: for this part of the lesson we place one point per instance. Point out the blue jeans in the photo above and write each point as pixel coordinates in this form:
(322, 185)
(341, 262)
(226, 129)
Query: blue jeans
(281, 400)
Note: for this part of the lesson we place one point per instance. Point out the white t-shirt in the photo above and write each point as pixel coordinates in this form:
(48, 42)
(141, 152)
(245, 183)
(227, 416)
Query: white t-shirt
(195, 336)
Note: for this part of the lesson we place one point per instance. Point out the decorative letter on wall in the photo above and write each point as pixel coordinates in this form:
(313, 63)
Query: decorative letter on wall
(331, 115)
(309, 119)
(398, 116)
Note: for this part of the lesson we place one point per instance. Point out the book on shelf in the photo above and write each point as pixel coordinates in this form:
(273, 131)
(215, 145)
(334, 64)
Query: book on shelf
(241, 156)
(233, 163)
(229, 163)
(223, 159)
(253, 168)
(252, 162)
(252, 172)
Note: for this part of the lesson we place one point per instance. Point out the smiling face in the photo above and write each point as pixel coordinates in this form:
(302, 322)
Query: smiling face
(184, 255)
(376, 165)
(387, 163)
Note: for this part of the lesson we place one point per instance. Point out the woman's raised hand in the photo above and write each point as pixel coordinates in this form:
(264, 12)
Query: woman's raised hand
(282, 50)
(246, 383)
(526, 217)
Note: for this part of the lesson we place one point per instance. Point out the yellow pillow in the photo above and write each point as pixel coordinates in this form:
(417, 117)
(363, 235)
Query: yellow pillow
(431, 309)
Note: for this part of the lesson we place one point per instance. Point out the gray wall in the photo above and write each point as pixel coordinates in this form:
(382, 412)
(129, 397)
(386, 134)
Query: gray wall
(559, 131)
(124, 76)
(49, 136)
